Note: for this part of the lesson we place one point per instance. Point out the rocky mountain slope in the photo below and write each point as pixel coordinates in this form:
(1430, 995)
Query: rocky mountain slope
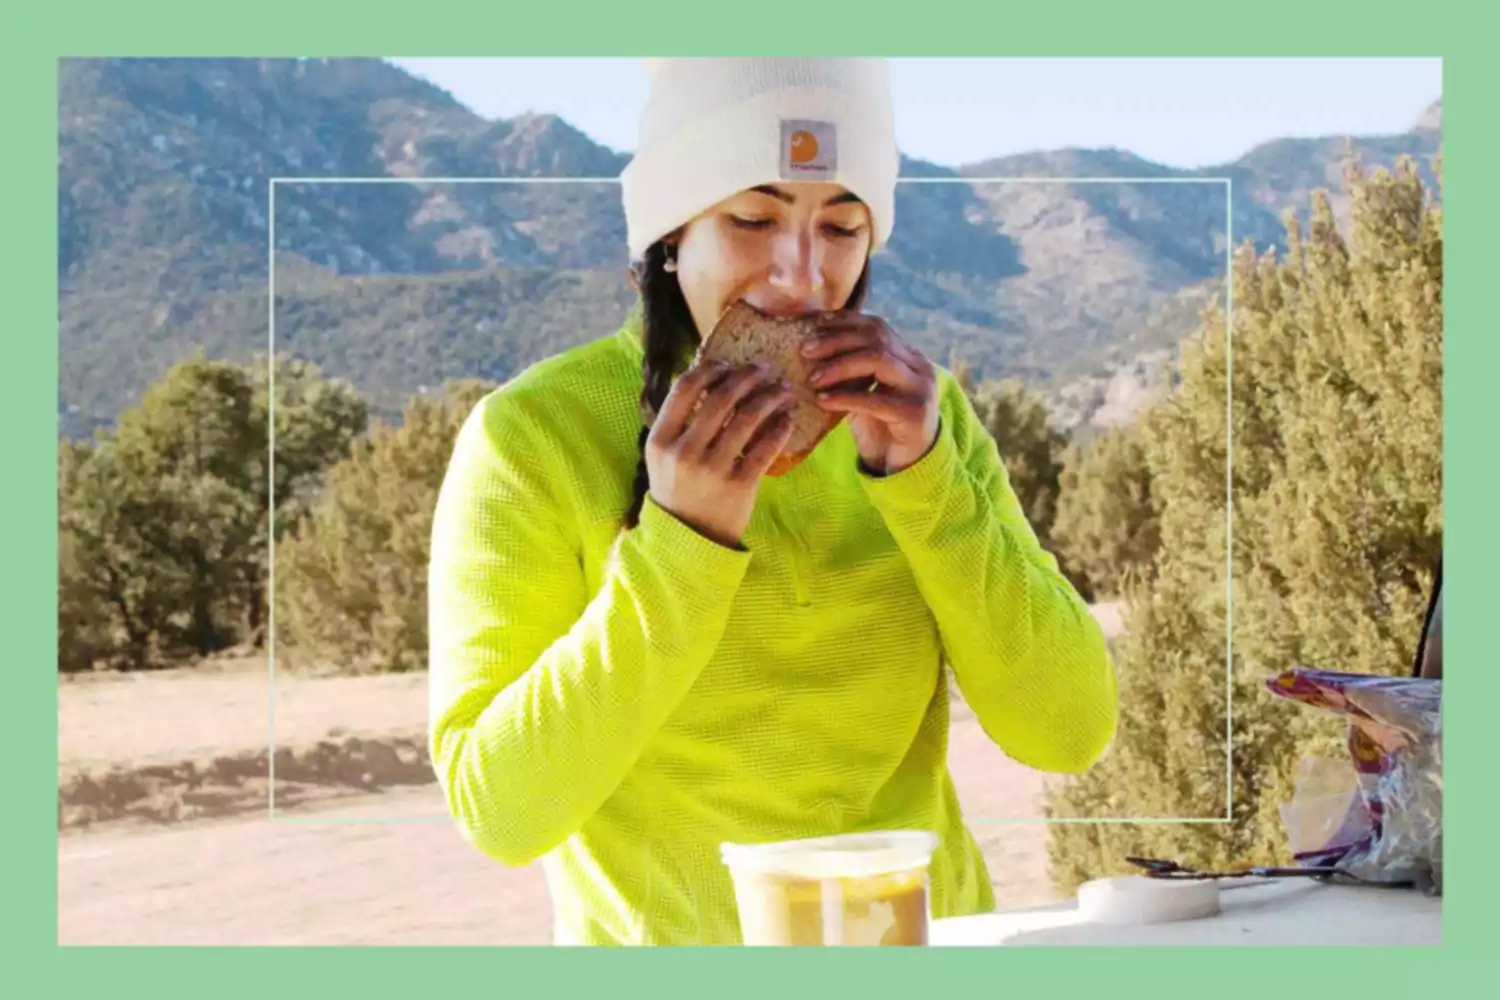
(165, 218)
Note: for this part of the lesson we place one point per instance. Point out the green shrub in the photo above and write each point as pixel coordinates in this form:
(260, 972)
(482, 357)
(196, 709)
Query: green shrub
(163, 521)
(351, 584)
(1107, 531)
(1337, 522)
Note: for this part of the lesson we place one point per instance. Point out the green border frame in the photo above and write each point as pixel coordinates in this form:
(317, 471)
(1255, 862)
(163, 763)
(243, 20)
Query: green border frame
(34, 36)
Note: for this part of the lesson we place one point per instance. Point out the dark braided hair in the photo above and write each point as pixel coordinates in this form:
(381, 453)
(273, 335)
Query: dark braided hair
(669, 335)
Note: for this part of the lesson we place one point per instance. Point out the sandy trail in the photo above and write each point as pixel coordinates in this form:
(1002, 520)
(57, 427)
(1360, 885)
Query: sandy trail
(360, 852)
(333, 876)
(387, 868)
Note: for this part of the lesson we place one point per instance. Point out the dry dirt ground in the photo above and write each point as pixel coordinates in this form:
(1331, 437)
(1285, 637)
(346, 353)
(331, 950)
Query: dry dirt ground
(165, 838)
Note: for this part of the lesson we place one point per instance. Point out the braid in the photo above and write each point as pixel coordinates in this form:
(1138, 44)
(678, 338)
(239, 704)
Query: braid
(668, 332)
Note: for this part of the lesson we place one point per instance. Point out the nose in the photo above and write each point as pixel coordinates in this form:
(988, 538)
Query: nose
(797, 268)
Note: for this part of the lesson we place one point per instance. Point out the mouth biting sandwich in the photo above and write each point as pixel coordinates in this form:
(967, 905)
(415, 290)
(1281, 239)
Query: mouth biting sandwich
(745, 335)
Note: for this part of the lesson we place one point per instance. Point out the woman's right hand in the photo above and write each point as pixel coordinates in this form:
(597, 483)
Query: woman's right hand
(705, 466)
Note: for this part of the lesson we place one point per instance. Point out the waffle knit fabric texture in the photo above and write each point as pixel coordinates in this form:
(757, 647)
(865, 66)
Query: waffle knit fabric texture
(619, 704)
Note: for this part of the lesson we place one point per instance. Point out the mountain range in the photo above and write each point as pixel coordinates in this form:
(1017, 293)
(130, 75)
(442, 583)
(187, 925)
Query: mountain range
(165, 218)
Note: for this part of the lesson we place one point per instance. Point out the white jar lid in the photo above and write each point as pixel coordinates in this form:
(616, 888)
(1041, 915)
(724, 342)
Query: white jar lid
(856, 855)
(1136, 899)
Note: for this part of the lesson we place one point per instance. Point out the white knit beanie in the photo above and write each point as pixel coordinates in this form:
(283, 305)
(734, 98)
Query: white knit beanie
(715, 127)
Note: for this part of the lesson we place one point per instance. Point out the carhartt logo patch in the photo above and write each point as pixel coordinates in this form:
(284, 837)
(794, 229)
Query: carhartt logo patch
(809, 150)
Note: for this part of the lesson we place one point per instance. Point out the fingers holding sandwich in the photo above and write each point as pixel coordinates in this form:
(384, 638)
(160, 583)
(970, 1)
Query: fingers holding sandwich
(857, 352)
(760, 416)
(718, 430)
(765, 445)
(682, 402)
(716, 404)
(887, 388)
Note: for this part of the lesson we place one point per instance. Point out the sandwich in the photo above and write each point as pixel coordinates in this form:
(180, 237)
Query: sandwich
(744, 335)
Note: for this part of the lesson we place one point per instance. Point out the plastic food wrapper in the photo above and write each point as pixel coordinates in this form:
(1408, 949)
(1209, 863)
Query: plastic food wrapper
(1380, 820)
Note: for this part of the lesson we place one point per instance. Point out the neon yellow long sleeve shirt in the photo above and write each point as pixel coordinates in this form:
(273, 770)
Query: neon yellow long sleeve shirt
(618, 704)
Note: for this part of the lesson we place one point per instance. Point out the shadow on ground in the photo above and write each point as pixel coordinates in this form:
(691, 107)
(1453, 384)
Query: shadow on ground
(228, 785)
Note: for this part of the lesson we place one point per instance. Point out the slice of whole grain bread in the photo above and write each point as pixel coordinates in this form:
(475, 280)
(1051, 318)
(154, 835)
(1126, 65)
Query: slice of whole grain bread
(744, 335)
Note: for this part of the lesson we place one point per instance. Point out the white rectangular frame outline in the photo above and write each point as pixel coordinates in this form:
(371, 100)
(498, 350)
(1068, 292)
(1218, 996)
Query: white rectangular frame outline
(1227, 182)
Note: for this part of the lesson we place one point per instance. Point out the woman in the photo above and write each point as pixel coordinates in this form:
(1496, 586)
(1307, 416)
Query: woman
(641, 647)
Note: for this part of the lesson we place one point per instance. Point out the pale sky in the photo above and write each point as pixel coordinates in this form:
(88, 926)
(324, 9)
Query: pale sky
(1181, 112)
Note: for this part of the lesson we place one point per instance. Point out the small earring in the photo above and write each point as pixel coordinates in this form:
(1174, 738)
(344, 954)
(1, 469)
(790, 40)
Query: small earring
(670, 266)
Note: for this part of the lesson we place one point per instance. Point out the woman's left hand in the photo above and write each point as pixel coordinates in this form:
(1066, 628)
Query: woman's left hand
(888, 389)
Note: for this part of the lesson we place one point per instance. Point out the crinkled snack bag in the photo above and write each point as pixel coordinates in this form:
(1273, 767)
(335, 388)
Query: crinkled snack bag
(1395, 747)
(1327, 814)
